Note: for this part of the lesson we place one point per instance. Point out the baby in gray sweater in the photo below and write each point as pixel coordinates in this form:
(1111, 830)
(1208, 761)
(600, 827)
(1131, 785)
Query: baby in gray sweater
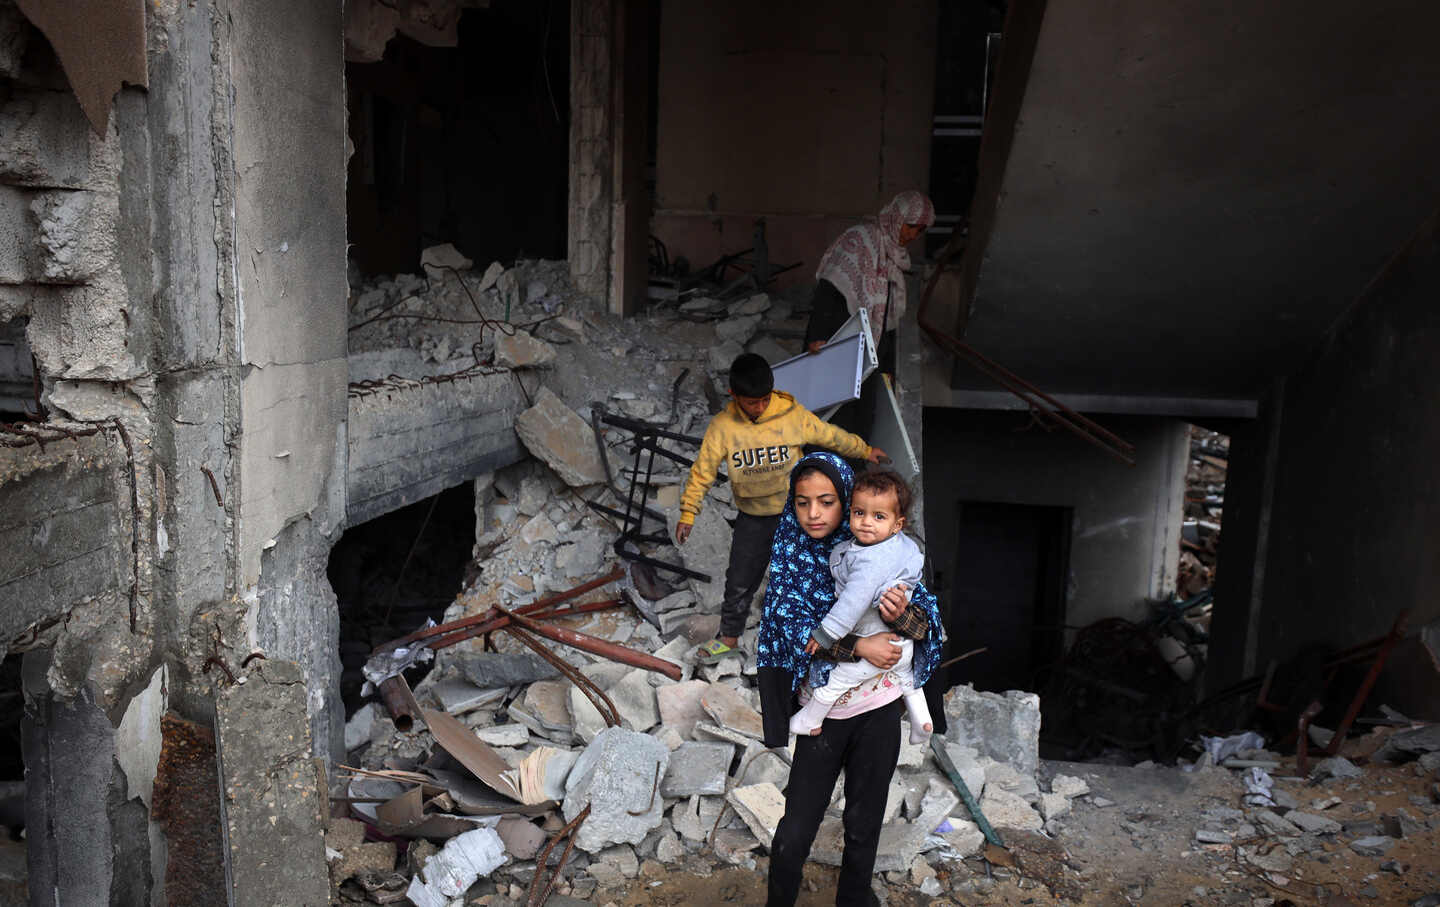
(879, 556)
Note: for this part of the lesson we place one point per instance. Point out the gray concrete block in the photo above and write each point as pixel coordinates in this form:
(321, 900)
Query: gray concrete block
(272, 795)
(406, 445)
(616, 775)
(61, 533)
(1005, 727)
(557, 435)
(70, 767)
(697, 768)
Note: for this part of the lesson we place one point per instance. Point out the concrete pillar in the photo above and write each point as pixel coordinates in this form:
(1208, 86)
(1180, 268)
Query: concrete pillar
(79, 842)
(591, 147)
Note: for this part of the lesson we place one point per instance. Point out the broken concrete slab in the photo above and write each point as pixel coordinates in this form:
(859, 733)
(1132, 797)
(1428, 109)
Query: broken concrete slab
(1054, 806)
(1273, 824)
(512, 734)
(1309, 822)
(557, 435)
(697, 768)
(586, 720)
(761, 806)
(760, 763)
(357, 729)
(752, 305)
(1069, 786)
(1335, 767)
(729, 710)
(674, 601)
(1006, 810)
(1005, 777)
(539, 528)
(546, 710)
(679, 705)
(622, 857)
(634, 699)
(455, 696)
(584, 558)
(521, 350)
(273, 794)
(443, 260)
(616, 776)
(1005, 727)
(705, 731)
(939, 801)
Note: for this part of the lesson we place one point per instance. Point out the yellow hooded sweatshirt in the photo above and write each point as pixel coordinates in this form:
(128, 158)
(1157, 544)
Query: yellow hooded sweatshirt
(759, 455)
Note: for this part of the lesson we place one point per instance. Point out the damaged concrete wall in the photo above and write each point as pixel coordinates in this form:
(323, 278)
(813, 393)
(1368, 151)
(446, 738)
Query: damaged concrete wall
(289, 147)
(180, 276)
(1125, 532)
(1353, 533)
(811, 115)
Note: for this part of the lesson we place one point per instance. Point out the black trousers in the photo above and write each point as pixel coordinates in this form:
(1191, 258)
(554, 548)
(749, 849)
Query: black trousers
(867, 746)
(749, 556)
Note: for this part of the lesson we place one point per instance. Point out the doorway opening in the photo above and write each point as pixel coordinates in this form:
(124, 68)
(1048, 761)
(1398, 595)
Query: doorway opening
(1010, 569)
(393, 573)
(467, 145)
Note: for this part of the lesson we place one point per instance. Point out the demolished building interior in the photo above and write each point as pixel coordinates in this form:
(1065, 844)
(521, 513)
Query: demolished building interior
(352, 357)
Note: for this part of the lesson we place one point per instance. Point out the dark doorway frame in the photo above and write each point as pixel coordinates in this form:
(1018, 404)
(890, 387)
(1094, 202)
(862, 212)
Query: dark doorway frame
(999, 537)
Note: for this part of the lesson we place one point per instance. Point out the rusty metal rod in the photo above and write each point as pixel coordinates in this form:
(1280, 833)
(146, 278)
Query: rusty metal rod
(596, 646)
(1060, 414)
(603, 704)
(1397, 631)
(400, 702)
(1302, 737)
(501, 622)
(537, 897)
(1039, 402)
(557, 598)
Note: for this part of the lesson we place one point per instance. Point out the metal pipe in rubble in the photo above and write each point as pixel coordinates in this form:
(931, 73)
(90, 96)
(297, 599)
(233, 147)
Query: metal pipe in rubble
(596, 646)
(400, 702)
(501, 622)
(489, 615)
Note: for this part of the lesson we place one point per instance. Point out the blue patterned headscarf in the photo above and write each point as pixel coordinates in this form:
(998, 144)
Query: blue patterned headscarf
(801, 591)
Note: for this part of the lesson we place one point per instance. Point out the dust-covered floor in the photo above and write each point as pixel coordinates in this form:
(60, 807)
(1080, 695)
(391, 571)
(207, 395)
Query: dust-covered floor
(1133, 841)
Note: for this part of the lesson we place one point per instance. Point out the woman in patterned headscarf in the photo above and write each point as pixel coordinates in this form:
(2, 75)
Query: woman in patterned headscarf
(865, 268)
(861, 735)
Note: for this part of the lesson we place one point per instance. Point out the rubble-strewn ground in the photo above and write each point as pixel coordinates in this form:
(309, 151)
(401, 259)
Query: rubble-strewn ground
(1140, 848)
(684, 798)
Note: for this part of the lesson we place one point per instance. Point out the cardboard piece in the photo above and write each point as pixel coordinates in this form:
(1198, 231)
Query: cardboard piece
(471, 752)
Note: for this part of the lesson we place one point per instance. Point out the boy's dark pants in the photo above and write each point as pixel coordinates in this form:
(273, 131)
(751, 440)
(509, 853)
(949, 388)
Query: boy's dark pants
(866, 746)
(749, 556)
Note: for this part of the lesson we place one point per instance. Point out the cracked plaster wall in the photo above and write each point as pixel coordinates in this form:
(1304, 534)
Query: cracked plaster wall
(183, 274)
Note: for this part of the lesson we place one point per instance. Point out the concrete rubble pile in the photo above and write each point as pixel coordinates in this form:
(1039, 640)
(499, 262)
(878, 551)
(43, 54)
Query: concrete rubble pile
(684, 780)
(510, 751)
(1291, 830)
(529, 318)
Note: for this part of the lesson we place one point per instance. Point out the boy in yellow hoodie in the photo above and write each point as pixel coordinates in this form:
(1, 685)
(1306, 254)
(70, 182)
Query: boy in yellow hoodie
(759, 436)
